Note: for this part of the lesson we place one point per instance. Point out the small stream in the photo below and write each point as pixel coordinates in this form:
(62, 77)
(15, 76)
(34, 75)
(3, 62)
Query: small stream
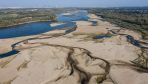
(10, 53)
(133, 41)
(136, 42)
(94, 23)
(102, 36)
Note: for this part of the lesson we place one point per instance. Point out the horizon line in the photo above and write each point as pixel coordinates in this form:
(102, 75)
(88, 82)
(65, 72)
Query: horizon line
(73, 7)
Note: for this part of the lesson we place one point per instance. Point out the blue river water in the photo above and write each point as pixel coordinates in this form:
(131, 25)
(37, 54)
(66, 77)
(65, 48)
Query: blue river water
(25, 29)
(34, 28)
(41, 27)
(73, 16)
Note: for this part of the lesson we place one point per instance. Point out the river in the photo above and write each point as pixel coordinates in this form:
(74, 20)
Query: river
(35, 28)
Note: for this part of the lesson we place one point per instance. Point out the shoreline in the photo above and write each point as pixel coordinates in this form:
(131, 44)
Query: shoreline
(6, 27)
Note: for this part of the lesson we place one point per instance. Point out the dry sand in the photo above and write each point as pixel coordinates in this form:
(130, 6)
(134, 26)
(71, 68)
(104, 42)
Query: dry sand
(74, 58)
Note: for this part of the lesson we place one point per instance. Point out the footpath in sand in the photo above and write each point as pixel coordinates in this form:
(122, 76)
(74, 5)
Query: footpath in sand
(78, 57)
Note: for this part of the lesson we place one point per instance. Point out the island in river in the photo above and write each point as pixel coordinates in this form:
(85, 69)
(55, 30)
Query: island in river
(90, 54)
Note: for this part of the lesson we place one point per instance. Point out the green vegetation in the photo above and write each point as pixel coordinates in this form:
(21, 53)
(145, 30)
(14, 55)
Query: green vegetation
(131, 18)
(10, 17)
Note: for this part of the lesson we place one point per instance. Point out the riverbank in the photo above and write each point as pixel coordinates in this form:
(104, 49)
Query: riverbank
(75, 57)
(4, 27)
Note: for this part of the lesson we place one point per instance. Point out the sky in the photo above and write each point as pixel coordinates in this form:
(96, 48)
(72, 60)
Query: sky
(71, 3)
